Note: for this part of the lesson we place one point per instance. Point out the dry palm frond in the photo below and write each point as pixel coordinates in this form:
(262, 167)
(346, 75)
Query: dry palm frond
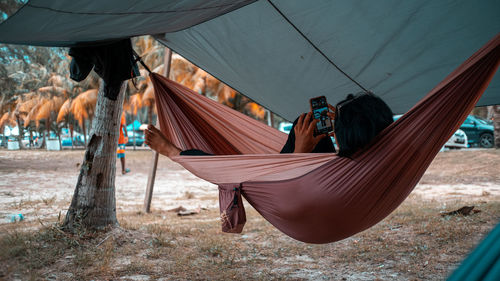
(64, 111)
(149, 50)
(91, 82)
(135, 103)
(24, 107)
(159, 69)
(56, 80)
(148, 98)
(31, 116)
(48, 108)
(182, 71)
(199, 81)
(126, 106)
(79, 112)
(83, 105)
(226, 95)
(53, 90)
(256, 110)
(7, 119)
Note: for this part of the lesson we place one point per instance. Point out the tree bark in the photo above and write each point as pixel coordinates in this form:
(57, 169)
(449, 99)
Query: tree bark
(93, 205)
(133, 128)
(21, 132)
(31, 139)
(84, 133)
(496, 124)
(71, 135)
(58, 132)
(150, 113)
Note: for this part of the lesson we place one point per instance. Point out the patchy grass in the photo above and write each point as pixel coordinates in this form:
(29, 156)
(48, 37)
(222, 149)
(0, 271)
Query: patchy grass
(413, 243)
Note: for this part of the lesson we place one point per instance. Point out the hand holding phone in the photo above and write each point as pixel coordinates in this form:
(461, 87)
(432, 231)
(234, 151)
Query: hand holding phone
(305, 139)
(320, 112)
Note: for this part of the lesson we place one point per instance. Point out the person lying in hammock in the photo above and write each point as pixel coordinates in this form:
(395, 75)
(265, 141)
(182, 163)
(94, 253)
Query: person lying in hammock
(357, 120)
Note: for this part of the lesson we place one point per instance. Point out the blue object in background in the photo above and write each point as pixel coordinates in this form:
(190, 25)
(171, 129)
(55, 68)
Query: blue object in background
(134, 126)
(16, 217)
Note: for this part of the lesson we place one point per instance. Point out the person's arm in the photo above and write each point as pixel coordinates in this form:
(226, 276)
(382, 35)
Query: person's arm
(125, 130)
(124, 126)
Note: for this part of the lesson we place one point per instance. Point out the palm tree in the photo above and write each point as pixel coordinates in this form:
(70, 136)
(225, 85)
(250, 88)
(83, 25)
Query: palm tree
(7, 119)
(25, 107)
(132, 107)
(7, 107)
(82, 108)
(52, 98)
(64, 115)
(48, 112)
(93, 204)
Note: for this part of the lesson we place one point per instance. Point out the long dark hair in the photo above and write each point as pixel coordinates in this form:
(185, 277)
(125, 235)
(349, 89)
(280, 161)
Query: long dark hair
(358, 119)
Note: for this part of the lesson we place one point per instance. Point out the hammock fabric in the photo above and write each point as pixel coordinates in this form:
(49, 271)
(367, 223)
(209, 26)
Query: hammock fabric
(483, 264)
(317, 198)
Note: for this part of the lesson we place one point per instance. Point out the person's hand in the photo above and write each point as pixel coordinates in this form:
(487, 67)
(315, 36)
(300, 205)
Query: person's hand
(305, 141)
(331, 113)
(126, 140)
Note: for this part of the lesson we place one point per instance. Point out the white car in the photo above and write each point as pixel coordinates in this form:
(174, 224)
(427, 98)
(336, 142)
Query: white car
(458, 140)
(285, 127)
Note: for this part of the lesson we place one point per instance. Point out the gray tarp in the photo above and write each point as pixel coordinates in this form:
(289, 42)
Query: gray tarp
(281, 53)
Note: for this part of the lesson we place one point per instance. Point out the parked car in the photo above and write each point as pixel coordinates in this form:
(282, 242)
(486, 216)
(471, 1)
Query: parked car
(78, 139)
(285, 127)
(458, 140)
(479, 131)
(139, 138)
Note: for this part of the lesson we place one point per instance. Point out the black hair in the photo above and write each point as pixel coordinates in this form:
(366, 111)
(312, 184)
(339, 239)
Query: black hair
(358, 119)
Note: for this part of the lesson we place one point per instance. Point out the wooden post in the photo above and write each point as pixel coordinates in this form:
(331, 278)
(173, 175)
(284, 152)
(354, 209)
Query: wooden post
(154, 160)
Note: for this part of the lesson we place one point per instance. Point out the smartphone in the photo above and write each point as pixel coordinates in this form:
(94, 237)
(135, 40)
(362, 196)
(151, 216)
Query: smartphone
(319, 108)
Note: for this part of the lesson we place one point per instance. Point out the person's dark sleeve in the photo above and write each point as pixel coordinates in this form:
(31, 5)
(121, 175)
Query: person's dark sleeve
(194, 152)
(324, 145)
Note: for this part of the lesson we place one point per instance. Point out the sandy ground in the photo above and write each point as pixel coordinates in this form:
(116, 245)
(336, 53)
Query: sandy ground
(32, 178)
(32, 181)
(40, 184)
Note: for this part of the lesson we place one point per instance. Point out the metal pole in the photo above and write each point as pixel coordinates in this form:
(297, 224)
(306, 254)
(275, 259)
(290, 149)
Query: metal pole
(154, 160)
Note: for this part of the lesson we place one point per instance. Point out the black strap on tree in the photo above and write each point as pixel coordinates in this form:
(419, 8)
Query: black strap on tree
(139, 59)
(113, 62)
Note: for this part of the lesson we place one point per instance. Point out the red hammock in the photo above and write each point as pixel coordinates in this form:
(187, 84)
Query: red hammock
(317, 198)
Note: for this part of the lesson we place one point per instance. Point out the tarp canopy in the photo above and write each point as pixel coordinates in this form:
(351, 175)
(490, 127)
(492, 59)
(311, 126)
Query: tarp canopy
(280, 53)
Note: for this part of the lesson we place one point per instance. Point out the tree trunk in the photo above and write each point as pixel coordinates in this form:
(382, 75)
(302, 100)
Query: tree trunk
(496, 123)
(31, 139)
(133, 130)
(47, 128)
(93, 205)
(84, 133)
(58, 133)
(21, 132)
(150, 113)
(44, 145)
(71, 135)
